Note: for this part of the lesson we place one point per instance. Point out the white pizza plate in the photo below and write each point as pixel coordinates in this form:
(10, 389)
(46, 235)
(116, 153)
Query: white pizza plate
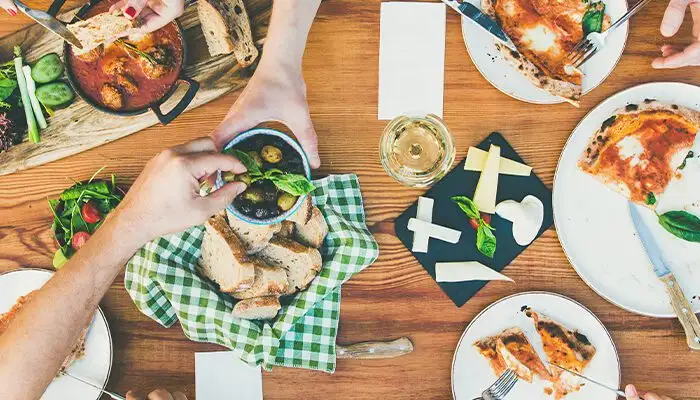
(472, 373)
(94, 367)
(595, 228)
(481, 47)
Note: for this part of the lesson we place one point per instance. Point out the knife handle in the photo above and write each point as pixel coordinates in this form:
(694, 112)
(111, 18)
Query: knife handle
(683, 310)
(376, 350)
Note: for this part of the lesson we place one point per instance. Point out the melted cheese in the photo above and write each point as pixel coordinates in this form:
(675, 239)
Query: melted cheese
(540, 38)
(630, 148)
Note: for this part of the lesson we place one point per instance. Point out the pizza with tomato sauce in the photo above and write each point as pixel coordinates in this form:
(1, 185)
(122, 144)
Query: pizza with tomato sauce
(638, 150)
(544, 33)
(511, 350)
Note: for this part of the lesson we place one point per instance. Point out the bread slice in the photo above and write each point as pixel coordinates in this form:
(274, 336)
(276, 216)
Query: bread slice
(101, 29)
(224, 259)
(313, 232)
(222, 18)
(257, 308)
(269, 281)
(253, 237)
(301, 263)
(287, 230)
(303, 214)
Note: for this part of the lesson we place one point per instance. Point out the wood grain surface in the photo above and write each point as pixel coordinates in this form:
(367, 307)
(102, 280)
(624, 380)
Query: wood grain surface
(394, 297)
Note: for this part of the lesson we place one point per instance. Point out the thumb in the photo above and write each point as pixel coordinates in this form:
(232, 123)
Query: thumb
(231, 126)
(306, 135)
(219, 199)
(131, 395)
(631, 393)
(132, 8)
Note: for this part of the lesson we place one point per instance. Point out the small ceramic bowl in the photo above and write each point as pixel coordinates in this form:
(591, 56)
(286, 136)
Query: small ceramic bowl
(294, 145)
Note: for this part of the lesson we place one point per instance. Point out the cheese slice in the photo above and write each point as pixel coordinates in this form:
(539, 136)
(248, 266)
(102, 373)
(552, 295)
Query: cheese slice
(485, 194)
(434, 231)
(424, 212)
(466, 271)
(476, 159)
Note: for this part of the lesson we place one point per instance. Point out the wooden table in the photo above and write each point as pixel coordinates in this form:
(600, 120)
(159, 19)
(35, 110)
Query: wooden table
(394, 297)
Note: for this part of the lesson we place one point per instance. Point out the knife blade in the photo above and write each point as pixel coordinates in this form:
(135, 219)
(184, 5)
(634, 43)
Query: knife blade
(478, 17)
(92, 385)
(49, 22)
(616, 391)
(679, 302)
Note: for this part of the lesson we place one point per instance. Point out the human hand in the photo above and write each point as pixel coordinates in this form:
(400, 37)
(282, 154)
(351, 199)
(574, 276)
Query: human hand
(158, 394)
(673, 57)
(274, 93)
(631, 394)
(165, 197)
(153, 14)
(9, 6)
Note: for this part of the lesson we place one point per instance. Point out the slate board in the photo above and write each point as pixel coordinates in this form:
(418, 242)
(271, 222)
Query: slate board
(446, 213)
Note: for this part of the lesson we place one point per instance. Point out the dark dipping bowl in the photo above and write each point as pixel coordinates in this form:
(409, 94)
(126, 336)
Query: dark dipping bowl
(294, 160)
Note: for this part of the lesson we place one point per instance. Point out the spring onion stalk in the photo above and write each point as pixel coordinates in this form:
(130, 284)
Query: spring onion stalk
(26, 103)
(31, 88)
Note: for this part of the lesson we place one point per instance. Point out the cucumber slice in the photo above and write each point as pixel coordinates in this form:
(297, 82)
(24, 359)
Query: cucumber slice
(55, 94)
(47, 69)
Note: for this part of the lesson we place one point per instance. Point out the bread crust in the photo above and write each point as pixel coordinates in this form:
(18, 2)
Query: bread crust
(219, 224)
(260, 308)
(234, 13)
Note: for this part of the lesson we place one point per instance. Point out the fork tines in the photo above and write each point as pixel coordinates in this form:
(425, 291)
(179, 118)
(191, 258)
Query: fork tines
(582, 52)
(503, 385)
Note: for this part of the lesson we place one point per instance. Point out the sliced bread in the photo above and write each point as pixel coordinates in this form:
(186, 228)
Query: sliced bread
(223, 258)
(303, 214)
(287, 230)
(257, 308)
(269, 281)
(253, 237)
(313, 232)
(301, 263)
(228, 16)
(101, 29)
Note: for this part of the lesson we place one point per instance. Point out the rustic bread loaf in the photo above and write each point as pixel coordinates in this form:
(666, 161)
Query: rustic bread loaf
(313, 232)
(257, 308)
(269, 281)
(301, 263)
(303, 214)
(101, 29)
(223, 258)
(287, 230)
(226, 29)
(253, 237)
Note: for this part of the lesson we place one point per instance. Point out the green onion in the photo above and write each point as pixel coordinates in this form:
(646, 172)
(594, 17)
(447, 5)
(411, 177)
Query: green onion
(31, 88)
(32, 128)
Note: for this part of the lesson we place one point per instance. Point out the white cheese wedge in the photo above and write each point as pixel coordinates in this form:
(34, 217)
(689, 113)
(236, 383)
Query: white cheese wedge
(434, 231)
(424, 213)
(527, 217)
(476, 159)
(466, 271)
(485, 194)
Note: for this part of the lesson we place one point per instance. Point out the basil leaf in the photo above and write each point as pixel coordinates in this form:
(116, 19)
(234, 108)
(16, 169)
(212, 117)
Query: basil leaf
(593, 18)
(294, 184)
(467, 206)
(485, 239)
(7, 86)
(651, 199)
(682, 224)
(689, 155)
(247, 161)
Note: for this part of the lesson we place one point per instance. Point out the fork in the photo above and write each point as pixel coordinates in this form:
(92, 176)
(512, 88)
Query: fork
(501, 387)
(594, 41)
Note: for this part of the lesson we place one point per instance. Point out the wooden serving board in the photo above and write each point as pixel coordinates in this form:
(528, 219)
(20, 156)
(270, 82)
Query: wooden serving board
(80, 127)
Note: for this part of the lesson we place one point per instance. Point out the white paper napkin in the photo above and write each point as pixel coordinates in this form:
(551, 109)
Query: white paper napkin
(411, 59)
(222, 375)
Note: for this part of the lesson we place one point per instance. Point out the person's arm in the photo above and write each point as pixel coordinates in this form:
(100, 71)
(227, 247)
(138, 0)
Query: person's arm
(277, 91)
(676, 57)
(164, 199)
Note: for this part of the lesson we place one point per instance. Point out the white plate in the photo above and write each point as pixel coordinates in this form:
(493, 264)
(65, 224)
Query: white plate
(471, 372)
(94, 367)
(596, 231)
(504, 77)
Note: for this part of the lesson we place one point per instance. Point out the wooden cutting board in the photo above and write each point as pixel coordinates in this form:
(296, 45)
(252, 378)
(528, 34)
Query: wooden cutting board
(80, 127)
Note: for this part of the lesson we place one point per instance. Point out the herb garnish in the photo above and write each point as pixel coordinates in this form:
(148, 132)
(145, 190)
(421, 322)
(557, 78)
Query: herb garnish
(681, 224)
(593, 18)
(485, 239)
(651, 198)
(689, 155)
(132, 48)
(294, 184)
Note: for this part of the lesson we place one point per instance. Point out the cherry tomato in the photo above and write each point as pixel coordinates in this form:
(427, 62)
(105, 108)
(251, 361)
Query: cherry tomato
(79, 239)
(486, 218)
(90, 213)
(474, 223)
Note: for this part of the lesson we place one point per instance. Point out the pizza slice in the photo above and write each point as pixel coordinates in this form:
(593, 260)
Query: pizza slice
(638, 150)
(511, 350)
(544, 33)
(563, 347)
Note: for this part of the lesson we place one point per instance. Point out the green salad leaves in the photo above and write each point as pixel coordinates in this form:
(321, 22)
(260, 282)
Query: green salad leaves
(294, 184)
(485, 239)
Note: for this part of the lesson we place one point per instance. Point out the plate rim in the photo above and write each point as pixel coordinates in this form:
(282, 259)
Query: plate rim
(559, 100)
(554, 196)
(535, 292)
(99, 309)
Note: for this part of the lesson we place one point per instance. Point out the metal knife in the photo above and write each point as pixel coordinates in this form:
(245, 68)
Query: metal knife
(616, 391)
(108, 393)
(680, 303)
(470, 11)
(49, 22)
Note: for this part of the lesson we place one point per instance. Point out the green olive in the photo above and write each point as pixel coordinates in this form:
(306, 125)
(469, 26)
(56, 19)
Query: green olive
(245, 178)
(253, 195)
(228, 176)
(255, 156)
(271, 154)
(286, 201)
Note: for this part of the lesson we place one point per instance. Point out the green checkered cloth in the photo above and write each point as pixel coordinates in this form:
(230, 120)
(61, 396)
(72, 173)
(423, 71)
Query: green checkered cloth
(163, 281)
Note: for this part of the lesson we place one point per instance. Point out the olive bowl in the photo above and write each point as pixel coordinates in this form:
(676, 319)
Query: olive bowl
(294, 145)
